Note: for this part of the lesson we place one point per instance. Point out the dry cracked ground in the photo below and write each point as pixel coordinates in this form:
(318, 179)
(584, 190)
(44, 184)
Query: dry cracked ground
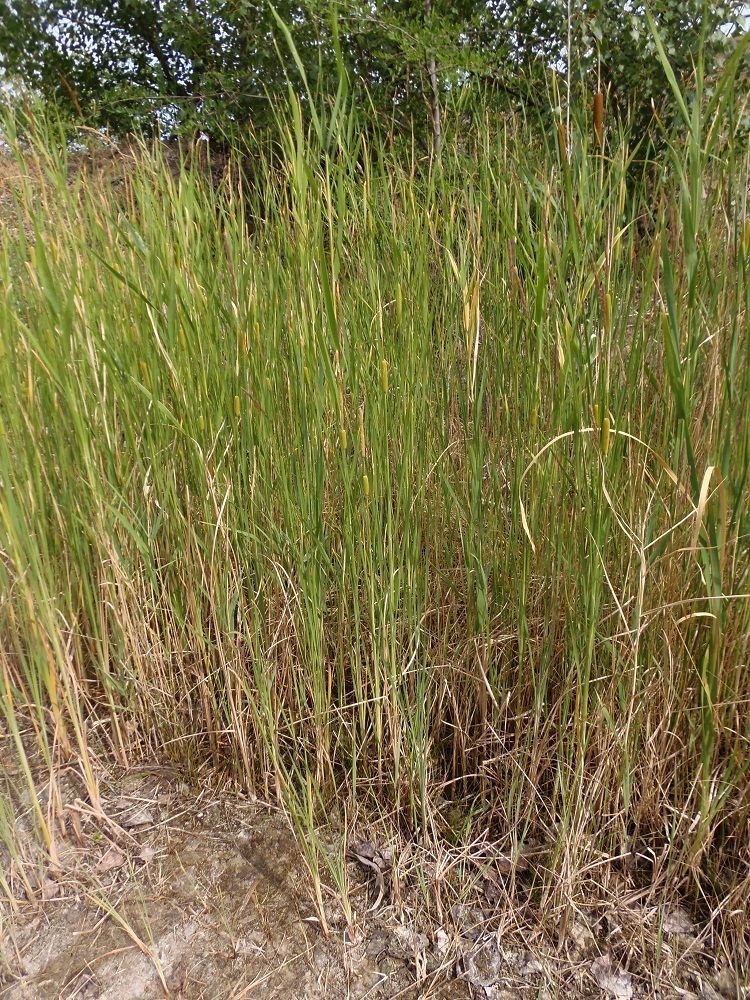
(173, 890)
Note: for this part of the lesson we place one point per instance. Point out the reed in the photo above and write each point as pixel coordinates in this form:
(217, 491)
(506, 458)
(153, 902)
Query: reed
(423, 491)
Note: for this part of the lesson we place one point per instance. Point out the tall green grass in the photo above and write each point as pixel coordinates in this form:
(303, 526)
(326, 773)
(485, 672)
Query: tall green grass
(420, 488)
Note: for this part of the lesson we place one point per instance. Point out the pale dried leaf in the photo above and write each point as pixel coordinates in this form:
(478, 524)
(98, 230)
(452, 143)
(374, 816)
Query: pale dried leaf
(110, 860)
(677, 921)
(50, 889)
(138, 817)
(613, 981)
(442, 941)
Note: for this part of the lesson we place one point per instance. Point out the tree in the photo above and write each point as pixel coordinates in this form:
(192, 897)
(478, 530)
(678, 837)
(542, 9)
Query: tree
(204, 63)
(614, 48)
(129, 62)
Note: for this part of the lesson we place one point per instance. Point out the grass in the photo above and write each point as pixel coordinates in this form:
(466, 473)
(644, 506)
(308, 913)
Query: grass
(421, 490)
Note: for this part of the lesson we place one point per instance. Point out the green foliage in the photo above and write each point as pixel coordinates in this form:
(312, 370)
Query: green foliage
(613, 43)
(388, 487)
(213, 64)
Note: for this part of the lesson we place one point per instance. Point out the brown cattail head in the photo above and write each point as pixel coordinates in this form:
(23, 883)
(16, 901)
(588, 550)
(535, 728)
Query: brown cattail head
(562, 138)
(599, 117)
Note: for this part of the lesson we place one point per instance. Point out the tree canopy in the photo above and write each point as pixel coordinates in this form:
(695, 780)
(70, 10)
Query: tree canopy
(205, 63)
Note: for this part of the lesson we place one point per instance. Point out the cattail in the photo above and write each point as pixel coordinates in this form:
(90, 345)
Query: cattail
(534, 415)
(256, 332)
(366, 485)
(605, 435)
(362, 446)
(145, 374)
(562, 136)
(342, 438)
(237, 407)
(560, 350)
(201, 423)
(306, 373)
(599, 117)
(384, 375)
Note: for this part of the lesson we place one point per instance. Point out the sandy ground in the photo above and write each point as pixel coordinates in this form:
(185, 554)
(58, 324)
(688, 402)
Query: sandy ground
(194, 896)
(173, 890)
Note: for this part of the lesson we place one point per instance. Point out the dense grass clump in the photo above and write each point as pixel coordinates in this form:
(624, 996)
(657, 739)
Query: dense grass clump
(418, 488)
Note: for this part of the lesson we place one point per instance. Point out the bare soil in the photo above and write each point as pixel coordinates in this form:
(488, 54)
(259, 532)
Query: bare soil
(175, 890)
(186, 894)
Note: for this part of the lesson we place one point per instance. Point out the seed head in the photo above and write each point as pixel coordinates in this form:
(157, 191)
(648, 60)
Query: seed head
(599, 117)
(362, 445)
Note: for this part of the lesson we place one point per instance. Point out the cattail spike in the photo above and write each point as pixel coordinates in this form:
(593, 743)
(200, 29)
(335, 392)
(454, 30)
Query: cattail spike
(599, 117)
(362, 444)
